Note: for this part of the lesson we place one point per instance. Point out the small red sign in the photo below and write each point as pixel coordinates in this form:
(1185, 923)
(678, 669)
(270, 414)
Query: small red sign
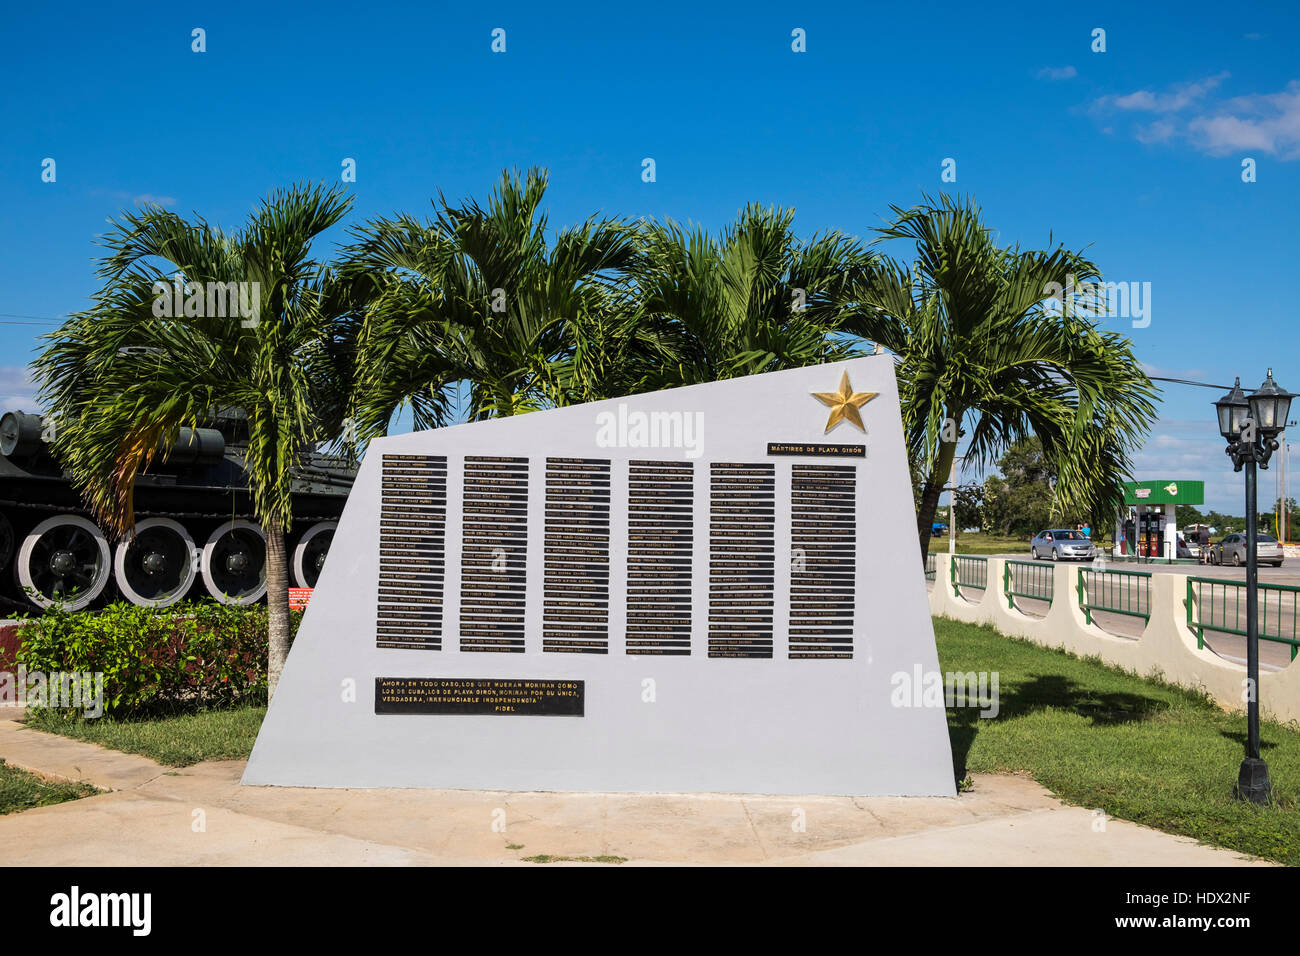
(298, 598)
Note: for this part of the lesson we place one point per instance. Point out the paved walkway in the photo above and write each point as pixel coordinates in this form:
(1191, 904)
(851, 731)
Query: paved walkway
(200, 815)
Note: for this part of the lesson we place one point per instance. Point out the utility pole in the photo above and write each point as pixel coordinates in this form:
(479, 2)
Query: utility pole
(1277, 504)
(952, 506)
(1286, 515)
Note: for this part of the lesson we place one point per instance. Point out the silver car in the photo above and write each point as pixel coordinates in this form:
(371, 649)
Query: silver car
(1232, 550)
(1062, 543)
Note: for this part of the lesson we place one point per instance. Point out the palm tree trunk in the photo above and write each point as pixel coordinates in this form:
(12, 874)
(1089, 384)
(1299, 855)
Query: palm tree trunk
(277, 604)
(934, 483)
(925, 514)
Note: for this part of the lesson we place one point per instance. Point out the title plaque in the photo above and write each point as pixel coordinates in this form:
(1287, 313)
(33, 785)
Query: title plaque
(816, 450)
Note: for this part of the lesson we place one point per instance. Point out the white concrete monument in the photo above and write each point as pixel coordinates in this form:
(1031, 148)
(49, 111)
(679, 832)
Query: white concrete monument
(708, 589)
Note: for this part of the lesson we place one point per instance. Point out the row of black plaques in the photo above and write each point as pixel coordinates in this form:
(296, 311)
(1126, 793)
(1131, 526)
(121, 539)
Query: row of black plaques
(823, 563)
(576, 573)
(412, 549)
(575, 615)
(660, 523)
(494, 554)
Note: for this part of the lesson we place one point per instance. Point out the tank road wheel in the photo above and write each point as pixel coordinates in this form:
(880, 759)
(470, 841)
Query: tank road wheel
(309, 555)
(234, 563)
(6, 542)
(64, 559)
(155, 566)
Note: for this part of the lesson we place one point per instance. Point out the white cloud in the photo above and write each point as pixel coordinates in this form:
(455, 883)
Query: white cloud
(17, 391)
(1057, 73)
(1197, 456)
(1269, 123)
(1176, 98)
(1157, 132)
(137, 199)
(1187, 373)
(1259, 122)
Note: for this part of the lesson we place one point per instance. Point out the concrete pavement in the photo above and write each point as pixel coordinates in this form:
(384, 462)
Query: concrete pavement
(201, 815)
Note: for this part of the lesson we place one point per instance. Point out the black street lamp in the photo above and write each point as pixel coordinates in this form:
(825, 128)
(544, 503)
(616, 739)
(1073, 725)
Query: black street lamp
(1251, 426)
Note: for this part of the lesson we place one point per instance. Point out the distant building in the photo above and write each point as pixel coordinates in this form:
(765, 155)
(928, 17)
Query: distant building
(1146, 525)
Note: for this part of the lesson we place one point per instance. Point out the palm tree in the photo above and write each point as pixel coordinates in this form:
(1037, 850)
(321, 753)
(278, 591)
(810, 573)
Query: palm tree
(756, 299)
(481, 295)
(980, 356)
(125, 374)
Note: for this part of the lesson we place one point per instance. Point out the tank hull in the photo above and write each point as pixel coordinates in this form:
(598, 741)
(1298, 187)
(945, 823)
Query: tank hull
(197, 496)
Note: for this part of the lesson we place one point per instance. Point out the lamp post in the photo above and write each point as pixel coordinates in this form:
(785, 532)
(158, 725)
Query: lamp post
(1251, 426)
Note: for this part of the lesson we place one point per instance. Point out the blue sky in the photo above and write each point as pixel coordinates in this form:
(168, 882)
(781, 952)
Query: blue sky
(1134, 153)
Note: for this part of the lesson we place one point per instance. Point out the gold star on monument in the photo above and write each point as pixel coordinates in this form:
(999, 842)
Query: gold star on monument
(845, 403)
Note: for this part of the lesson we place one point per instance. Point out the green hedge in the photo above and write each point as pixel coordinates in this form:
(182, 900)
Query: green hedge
(191, 656)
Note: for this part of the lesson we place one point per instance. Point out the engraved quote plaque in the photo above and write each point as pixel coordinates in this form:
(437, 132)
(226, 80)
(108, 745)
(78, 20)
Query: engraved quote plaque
(468, 695)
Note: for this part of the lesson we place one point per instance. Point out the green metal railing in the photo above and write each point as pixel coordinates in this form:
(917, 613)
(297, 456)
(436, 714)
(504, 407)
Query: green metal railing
(929, 567)
(1214, 604)
(1120, 592)
(969, 571)
(1027, 579)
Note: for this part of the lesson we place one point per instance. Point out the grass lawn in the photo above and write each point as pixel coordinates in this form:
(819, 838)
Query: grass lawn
(174, 741)
(20, 790)
(1099, 738)
(547, 858)
(981, 544)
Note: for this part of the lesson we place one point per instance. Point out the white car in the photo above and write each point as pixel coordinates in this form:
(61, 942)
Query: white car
(1187, 549)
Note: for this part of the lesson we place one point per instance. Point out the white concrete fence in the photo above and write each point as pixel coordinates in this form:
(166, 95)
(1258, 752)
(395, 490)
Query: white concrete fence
(1167, 648)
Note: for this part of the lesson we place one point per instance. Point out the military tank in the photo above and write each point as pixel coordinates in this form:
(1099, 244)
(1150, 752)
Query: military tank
(195, 532)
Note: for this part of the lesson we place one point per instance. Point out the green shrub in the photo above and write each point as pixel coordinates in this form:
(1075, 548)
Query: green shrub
(191, 656)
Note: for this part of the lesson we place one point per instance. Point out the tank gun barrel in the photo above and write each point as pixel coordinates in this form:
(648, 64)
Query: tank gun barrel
(22, 435)
(194, 446)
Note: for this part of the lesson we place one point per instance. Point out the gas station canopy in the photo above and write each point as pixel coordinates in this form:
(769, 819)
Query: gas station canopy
(1147, 527)
(1164, 492)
